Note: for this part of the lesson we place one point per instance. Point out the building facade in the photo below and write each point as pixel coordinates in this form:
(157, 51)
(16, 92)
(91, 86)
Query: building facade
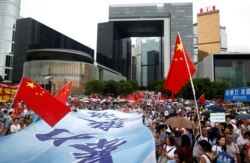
(51, 58)
(33, 35)
(53, 68)
(149, 59)
(9, 13)
(223, 42)
(209, 36)
(231, 67)
(144, 20)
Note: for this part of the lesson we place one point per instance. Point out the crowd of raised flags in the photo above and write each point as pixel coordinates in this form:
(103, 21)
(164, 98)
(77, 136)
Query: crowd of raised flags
(144, 126)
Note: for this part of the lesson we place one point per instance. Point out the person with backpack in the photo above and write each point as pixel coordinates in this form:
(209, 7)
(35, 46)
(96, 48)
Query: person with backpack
(206, 148)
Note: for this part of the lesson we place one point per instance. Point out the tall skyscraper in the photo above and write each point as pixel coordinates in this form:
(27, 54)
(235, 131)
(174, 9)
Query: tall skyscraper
(148, 60)
(209, 35)
(9, 13)
(161, 20)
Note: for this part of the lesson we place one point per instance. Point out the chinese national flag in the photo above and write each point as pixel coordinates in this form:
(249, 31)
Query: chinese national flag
(63, 94)
(48, 107)
(202, 100)
(178, 75)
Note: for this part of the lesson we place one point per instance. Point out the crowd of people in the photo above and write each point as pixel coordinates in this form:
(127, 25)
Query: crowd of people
(205, 142)
(10, 123)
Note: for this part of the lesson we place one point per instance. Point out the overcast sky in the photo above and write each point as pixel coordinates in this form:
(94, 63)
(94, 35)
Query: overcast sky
(78, 18)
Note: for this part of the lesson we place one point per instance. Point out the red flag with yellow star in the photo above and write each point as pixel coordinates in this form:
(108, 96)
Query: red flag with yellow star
(63, 94)
(48, 107)
(178, 74)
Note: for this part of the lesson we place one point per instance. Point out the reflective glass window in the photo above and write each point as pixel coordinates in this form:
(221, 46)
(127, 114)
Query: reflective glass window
(6, 47)
(8, 8)
(8, 61)
(16, 2)
(6, 34)
(236, 72)
(7, 21)
(63, 71)
(8, 74)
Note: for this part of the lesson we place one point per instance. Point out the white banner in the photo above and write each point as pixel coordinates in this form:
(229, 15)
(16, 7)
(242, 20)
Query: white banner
(217, 117)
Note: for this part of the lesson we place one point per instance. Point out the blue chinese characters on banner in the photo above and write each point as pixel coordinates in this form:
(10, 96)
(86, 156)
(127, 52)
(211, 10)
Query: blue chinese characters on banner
(109, 121)
(94, 152)
(84, 136)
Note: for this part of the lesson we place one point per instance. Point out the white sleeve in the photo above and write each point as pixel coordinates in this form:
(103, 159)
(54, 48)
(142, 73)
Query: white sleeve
(12, 129)
(214, 148)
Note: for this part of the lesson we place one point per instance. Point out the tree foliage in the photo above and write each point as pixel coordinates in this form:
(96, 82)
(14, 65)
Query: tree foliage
(94, 86)
(201, 85)
(111, 87)
(125, 88)
(134, 84)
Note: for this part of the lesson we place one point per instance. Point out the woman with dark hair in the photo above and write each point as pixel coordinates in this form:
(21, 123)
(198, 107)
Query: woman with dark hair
(170, 147)
(167, 153)
(220, 146)
(186, 151)
(206, 148)
(177, 157)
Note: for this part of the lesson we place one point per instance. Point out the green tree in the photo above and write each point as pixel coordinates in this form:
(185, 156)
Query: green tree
(124, 88)
(218, 87)
(134, 84)
(110, 87)
(94, 86)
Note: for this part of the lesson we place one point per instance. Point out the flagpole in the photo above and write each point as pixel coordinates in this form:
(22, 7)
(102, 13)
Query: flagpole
(192, 85)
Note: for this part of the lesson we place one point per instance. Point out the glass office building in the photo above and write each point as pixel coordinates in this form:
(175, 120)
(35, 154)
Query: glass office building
(33, 35)
(51, 58)
(231, 67)
(162, 20)
(60, 73)
(9, 13)
(149, 59)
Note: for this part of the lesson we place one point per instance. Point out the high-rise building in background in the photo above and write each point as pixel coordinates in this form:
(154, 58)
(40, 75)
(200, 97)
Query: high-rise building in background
(223, 37)
(9, 13)
(233, 68)
(209, 36)
(33, 35)
(50, 58)
(143, 20)
(148, 60)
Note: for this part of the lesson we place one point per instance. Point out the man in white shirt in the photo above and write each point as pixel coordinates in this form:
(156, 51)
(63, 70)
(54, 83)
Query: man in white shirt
(232, 148)
(196, 150)
(242, 141)
(15, 127)
(147, 120)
